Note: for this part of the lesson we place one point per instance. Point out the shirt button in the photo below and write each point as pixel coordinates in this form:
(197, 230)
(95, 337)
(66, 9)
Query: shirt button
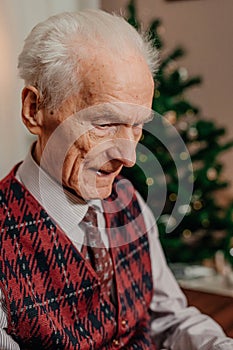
(124, 323)
(116, 343)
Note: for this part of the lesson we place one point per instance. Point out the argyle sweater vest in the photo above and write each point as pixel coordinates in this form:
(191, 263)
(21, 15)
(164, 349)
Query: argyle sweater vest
(53, 295)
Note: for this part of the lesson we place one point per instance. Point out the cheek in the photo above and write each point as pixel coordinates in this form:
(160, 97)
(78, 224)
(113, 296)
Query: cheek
(98, 142)
(96, 135)
(76, 154)
(82, 146)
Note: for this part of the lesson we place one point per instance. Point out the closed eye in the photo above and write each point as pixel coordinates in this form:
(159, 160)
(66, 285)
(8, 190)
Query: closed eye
(105, 126)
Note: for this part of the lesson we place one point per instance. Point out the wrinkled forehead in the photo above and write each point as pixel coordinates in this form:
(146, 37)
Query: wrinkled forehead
(107, 78)
(116, 112)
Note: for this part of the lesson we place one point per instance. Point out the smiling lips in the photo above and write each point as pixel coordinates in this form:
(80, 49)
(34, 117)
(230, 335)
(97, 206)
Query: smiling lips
(106, 172)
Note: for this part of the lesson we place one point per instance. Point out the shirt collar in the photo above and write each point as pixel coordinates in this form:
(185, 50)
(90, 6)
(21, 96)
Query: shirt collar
(64, 207)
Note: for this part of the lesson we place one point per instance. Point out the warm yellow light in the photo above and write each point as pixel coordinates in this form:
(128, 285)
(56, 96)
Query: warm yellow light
(149, 181)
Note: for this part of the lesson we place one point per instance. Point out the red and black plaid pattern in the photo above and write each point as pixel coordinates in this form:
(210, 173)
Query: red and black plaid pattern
(53, 296)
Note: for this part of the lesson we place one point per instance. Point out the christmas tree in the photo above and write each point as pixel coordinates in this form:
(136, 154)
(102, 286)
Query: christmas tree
(207, 226)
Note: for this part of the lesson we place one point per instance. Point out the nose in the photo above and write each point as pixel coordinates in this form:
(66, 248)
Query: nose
(127, 141)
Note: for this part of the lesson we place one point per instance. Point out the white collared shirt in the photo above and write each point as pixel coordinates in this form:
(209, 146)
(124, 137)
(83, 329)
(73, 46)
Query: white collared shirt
(174, 325)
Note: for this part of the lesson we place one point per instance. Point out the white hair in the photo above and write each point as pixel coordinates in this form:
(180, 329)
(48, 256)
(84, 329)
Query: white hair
(50, 57)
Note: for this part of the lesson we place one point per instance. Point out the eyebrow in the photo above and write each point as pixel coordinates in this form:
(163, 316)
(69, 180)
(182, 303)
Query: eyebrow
(109, 115)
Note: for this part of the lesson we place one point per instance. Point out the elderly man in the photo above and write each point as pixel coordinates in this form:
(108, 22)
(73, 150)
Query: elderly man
(80, 262)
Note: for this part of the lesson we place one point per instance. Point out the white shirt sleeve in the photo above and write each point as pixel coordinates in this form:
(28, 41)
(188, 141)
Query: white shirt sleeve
(6, 341)
(174, 325)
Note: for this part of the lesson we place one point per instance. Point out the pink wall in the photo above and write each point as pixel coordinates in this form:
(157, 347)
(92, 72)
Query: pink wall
(205, 29)
(15, 23)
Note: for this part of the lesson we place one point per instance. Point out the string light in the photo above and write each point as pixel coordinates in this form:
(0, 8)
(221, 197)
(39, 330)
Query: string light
(205, 222)
(187, 233)
(171, 67)
(149, 181)
(171, 222)
(191, 178)
(211, 174)
(197, 205)
(193, 133)
(184, 155)
(183, 126)
(183, 73)
(184, 209)
(143, 158)
(190, 113)
(157, 93)
(171, 116)
(172, 197)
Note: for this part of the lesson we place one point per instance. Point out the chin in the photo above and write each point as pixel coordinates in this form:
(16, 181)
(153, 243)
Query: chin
(88, 192)
(90, 187)
(104, 193)
(101, 193)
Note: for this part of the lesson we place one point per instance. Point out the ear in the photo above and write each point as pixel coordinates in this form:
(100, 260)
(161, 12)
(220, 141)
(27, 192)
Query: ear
(31, 114)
